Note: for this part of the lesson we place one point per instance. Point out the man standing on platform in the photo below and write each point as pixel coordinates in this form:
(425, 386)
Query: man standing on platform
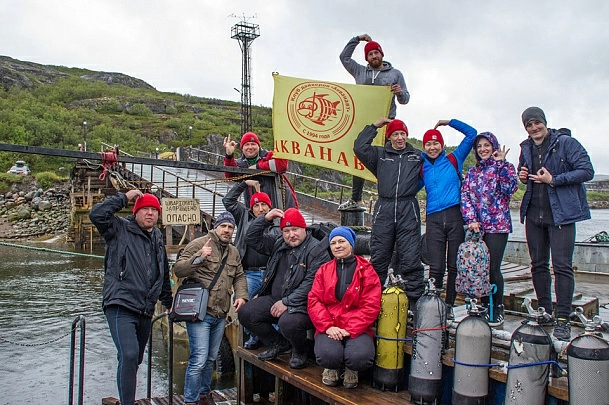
(554, 166)
(136, 277)
(377, 73)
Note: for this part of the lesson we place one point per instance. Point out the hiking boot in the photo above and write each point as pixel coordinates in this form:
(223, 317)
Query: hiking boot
(562, 330)
(252, 343)
(351, 205)
(275, 349)
(450, 313)
(350, 378)
(498, 316)
(298, 360)
(330, 377)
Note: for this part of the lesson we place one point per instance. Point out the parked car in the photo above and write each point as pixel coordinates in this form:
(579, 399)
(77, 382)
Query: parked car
(20, 167)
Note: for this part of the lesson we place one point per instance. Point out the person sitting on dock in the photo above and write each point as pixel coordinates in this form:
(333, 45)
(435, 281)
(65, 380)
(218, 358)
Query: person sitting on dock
(254, 263)
(344, 302)
(396, 212)
(136, 276)
(487, 190)
(201, 260)
(255, 157)
(554, 166)
(282, 299)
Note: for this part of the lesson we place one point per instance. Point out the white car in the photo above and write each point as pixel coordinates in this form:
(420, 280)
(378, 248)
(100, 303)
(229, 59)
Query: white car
(20, 167)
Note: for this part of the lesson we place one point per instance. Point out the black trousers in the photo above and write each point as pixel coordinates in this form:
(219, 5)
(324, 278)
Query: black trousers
(357, 192)
(496, 242)
(355, 354)
(256, 316)
(559, 241)
(445, 233)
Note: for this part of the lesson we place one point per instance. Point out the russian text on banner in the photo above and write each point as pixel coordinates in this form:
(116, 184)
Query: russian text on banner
(317, 122)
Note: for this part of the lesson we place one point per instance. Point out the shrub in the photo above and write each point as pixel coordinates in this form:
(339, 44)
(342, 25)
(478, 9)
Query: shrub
(48, 179)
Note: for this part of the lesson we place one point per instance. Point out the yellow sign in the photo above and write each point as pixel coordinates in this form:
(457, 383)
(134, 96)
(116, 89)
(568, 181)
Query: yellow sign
(181, 211)
(317, 122)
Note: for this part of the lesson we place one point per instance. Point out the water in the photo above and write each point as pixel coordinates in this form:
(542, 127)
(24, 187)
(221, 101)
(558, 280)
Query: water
(41, 294)
(584, 229)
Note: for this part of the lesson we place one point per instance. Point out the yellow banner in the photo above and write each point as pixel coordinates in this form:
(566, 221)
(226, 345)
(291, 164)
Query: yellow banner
(317, 122)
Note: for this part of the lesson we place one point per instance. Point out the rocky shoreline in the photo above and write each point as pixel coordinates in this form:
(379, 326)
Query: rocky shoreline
(34, 213)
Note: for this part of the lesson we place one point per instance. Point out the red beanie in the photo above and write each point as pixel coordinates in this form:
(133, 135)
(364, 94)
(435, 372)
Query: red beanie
(371, 46)
(395, 125)
(146, 200)
(249, 137)
(433, 135)
(292, 217)
(260, 198)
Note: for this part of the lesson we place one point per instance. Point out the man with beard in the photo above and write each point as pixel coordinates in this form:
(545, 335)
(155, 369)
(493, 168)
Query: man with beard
(282, 299)
(377, 73)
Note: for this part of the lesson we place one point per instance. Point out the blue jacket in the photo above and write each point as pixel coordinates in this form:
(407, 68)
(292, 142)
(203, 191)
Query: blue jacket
(570, 166)
(442, 182)
(128, 260)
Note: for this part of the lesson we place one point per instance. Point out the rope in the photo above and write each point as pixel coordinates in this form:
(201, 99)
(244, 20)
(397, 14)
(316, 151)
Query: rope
(393, 339)
(538, 363)
(429, 329)
(461, 363)
(49, 250)
(39, 344)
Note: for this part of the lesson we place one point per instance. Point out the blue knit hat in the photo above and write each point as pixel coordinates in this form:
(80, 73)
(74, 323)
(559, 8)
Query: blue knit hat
(224, 217)
(345, 232)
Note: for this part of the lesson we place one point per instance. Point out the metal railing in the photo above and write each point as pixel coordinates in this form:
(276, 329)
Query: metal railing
(80, 321)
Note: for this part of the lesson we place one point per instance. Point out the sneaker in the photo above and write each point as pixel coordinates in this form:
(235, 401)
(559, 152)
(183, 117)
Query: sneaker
(252, 343)
(330, 377)
(498, 316)
(450, 313)
(350, 378)
(562, 330)
(275, 349)
(298, 360)
(351, 205)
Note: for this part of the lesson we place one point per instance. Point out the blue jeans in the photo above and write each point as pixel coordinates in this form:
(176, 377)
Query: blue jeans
(204, 340)
(254, 281)
(130, 333)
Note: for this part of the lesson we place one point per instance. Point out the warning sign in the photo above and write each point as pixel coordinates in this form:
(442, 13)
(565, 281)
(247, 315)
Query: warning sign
(181, 211)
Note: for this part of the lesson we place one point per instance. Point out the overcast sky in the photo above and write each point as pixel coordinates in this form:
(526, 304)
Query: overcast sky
(481, 62)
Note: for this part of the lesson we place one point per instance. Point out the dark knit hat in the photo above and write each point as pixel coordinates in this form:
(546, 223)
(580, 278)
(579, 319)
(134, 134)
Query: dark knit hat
(533, 113)
(433, 135)
(371, 46)
(146, 200)
(292, 217)
(395, 125)
(345, 232)
(260, 198)
(224, 217)
(249, 137)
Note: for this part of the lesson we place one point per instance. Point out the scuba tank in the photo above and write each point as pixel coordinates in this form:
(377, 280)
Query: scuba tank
(529, 361)
(472, 357)
(588, 361)
(388, 371)
(429, 338)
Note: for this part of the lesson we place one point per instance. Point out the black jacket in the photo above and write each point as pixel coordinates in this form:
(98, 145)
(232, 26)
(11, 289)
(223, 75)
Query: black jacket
(128, 260)
(308, 256)
(250, 258)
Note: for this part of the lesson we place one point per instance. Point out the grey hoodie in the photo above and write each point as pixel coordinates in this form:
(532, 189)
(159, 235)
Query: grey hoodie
(386, 76)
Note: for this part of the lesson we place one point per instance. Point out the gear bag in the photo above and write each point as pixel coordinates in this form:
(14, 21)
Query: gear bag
(473, 266)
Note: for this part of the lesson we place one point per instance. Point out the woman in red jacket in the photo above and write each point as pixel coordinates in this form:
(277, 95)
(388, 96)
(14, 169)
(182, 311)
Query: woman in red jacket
(344, 302)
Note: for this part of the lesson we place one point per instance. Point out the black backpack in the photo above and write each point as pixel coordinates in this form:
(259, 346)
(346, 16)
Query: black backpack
(321, 232)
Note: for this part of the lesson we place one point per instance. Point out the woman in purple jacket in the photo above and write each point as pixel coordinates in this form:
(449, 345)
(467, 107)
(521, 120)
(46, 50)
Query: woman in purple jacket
(485, 204)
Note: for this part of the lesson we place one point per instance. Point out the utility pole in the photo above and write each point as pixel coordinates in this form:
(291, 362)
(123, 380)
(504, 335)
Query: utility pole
(245, 33)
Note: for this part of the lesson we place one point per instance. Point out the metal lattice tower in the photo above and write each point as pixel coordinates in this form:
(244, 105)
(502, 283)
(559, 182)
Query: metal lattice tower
(245, 33)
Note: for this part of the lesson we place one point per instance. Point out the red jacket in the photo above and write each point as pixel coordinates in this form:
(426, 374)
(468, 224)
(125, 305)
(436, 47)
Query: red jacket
(361, 303)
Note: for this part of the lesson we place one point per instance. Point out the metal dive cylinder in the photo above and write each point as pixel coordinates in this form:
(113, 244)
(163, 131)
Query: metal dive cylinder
(429, 338)
(529, 368)
(588, 362)
(473, 341)
(388, 371)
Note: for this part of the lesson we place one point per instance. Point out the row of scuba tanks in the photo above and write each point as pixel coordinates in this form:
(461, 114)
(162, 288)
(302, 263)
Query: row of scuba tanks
(532, 357)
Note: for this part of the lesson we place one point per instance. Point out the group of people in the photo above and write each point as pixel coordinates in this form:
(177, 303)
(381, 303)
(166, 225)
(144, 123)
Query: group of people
(284, 282)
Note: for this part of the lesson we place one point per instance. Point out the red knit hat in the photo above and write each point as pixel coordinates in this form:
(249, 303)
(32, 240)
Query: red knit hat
(249, 137)
(260, 198)
(433, 135)
(292, 217)
(395, 125)
(146, 200)
(371, 46)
